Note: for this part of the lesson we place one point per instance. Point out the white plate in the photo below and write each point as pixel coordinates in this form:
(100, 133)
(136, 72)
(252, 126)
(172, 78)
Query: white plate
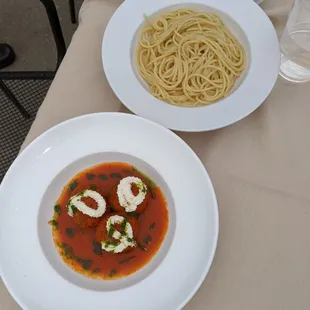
(30, 266)
(246, 20)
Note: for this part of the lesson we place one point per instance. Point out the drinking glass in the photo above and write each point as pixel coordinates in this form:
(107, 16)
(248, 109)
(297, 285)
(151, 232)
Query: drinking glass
(295, 44)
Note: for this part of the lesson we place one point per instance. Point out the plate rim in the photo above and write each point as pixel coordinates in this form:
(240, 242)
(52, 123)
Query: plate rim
(258, 99)
(203, 170)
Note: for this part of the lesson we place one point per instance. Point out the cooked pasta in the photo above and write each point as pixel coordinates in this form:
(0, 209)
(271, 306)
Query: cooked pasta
(189, 58)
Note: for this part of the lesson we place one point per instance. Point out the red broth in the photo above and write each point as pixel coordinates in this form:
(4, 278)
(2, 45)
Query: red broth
(78, 247)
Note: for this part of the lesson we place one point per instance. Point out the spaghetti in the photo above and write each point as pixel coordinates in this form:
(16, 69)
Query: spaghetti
(189, 58)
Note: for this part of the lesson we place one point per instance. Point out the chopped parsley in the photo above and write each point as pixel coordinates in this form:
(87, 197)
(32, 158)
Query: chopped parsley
(54, 223)
(73, 208)
(67, 250)
(112, 272)
(149, 182)
(111, 231)
(103, 177)
(115, 175)
(90, 176)
(124, 223)
(57, 209)
(96, 270)
(152, 226)
(127, 259)
(73, 186)
(97, 248)
(141, 247)
(93, 187)
(86, 264)
(69, 232)
(148, 239)
(110, 242)
(133, 214)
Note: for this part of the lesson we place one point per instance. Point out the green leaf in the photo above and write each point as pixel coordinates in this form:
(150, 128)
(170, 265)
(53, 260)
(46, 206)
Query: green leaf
(73, 186)
(133, 214)
(112, 208)
(93, 187)
(112, 272)
(97, 248)
(111, 231)
(86, 264)
(124, 223)
(141, 247)
(54, 223)
(110, 242)
(153, 194)
(67, 250)
(149, 182)
(148, 239)
(103, 177)
(68, 253)
(57, 209)
(69, 232)
(152, 226)
(115, 175)
(96, 270)
(90, 176)
(127, 259)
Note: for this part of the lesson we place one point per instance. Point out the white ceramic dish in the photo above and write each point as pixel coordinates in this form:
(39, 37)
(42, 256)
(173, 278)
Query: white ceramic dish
(245, 19)
(30, 266)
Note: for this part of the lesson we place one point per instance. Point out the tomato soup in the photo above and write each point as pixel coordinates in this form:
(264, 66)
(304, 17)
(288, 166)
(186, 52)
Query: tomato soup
(138, 219)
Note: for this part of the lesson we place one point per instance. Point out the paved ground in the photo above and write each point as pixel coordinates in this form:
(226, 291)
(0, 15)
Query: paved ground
(24, 25)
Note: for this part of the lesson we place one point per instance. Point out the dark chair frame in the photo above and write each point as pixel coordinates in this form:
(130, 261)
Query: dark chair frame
(38, 75)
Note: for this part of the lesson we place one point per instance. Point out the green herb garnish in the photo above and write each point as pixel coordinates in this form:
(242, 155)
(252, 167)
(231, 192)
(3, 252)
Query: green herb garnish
(67, 250)
(93, 187)
(141, 247)
(69, 232)
(86, 264)
(112, 272)
(57, 209)
(96, 270)
(103, 177)
(115, 175)
(133, 214)
(73, 186)
(148, 239)
(90, 176)
(111, 231)
(127, 259)
(97, 248)
(152, 226)
(124, 223)
(54, 223)
(112, 208)
(153, 195)
(74, 209)
(149, 182)
(110, 242)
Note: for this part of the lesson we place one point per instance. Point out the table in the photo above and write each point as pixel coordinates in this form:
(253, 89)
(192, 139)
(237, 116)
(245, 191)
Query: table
(259, 167)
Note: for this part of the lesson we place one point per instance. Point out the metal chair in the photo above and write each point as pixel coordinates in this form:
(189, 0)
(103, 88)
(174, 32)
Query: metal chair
(21, 94)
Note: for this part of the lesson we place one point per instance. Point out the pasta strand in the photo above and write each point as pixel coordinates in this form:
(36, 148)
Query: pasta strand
(189, 58)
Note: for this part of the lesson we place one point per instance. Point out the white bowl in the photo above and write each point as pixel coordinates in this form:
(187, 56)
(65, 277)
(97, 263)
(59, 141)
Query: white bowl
(30, 265)
(248, 23)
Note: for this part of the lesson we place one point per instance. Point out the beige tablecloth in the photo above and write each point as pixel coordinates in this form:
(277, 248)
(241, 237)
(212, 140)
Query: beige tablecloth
(259, 167)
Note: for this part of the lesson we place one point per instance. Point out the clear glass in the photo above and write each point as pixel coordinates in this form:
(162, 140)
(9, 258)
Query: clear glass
(295, 44)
